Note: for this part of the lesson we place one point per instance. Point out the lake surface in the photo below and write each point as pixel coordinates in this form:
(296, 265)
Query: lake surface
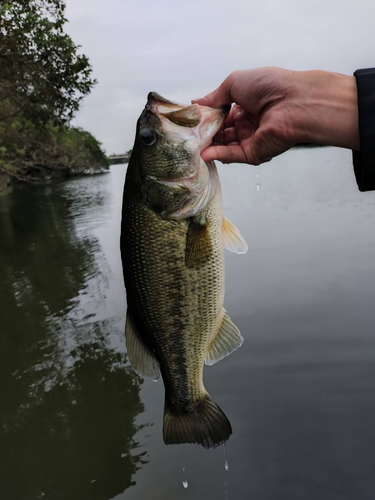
(76, 423)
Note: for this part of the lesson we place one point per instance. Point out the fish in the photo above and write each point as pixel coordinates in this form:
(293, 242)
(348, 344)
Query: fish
(172, 237)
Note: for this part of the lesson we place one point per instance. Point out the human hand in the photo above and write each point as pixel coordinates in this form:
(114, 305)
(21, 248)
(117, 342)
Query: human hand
(277, 108)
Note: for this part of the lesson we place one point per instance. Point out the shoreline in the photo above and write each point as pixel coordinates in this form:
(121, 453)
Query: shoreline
(7, 181)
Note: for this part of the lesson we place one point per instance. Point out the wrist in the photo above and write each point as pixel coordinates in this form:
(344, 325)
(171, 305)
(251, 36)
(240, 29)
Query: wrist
(326, 109)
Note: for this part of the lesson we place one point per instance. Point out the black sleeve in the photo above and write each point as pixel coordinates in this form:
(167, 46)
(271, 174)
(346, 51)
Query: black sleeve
(364, 160)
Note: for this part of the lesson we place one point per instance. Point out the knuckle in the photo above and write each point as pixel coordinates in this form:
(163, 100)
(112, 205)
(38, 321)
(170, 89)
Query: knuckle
(272, 130)
(233, 76)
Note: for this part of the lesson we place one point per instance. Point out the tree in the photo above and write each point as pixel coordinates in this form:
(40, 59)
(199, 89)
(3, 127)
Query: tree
(42, 75)
(43, 79)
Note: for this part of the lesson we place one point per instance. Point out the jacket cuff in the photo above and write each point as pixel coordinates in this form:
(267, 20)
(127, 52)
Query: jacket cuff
(364, 160)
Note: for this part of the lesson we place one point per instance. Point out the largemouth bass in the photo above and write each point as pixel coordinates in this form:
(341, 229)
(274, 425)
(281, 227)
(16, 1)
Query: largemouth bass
(172, 238)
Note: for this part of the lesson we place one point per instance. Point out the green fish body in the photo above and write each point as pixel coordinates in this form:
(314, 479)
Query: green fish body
(173, 265)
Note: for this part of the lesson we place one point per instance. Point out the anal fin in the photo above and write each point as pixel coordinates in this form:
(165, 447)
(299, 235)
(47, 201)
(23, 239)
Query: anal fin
(141, 358)
(227, 340)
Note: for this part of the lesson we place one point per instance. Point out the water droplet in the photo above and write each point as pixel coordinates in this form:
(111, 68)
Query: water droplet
(226, 465)
(185, 484)
(258, 187)
(256, 175)
(41, 494)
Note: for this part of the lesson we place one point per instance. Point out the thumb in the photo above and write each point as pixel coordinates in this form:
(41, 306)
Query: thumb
(219, 97)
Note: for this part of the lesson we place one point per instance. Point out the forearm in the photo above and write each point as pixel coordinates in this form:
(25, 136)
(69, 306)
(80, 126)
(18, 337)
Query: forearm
(326, 109)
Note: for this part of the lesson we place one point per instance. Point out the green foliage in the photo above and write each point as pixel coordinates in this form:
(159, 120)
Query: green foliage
(30, 153)
(42, 82)
(42, 74)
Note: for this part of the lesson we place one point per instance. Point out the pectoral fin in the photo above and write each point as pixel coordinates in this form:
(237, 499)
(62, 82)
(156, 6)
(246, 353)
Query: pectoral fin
(141, 358)
(227, 340)
(198, 244)
(232, 238)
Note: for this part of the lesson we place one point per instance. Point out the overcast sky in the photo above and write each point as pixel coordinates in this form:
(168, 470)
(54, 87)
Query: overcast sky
(185, 49)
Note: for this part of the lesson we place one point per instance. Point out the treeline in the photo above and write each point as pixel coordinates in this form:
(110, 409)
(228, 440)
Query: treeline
(43, 80)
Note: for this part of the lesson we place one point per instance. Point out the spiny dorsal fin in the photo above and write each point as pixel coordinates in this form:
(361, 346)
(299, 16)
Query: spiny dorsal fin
(227, 340)
(232, 238)
(198, 244)
(141, 358)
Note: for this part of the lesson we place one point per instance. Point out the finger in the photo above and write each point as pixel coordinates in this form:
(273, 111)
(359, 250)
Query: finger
(233, 114)
(229, 135)
(225, 154)
(229, 124)
(219, 97)
(229, 119)
(225, 135)
(245, 129)
(218, 138)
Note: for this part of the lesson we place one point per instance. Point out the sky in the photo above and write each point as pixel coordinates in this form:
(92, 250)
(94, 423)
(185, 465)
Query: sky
(183, 50)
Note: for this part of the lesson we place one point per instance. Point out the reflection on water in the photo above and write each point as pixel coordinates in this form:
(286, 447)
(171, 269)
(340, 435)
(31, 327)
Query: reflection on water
(77, 424)
(69, 400)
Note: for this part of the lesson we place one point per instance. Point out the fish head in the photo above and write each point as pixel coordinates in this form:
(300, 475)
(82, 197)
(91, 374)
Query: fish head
(175, 181)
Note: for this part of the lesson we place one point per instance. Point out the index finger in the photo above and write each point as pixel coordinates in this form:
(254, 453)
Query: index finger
(219, 97)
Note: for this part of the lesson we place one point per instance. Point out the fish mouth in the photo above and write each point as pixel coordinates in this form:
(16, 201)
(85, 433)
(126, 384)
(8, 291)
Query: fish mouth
(182, 122)
(179, 183)
(159, 104)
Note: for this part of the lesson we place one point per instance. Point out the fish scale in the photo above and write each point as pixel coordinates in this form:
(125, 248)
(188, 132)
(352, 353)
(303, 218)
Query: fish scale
(177, 307)
(173, 264)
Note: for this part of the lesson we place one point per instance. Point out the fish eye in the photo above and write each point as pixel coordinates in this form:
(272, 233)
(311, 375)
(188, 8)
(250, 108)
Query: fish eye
(148, 137)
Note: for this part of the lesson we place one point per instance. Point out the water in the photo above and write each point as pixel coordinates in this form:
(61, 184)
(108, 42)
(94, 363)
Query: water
(76, 423)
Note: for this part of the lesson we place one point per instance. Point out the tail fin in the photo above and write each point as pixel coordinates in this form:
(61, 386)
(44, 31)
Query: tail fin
(205, 424)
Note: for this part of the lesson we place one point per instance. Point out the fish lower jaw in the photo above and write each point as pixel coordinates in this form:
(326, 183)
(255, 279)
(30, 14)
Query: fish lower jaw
(179, 182)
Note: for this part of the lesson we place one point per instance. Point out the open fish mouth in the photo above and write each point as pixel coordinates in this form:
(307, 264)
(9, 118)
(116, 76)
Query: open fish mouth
(180, 181)
(181, 122)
